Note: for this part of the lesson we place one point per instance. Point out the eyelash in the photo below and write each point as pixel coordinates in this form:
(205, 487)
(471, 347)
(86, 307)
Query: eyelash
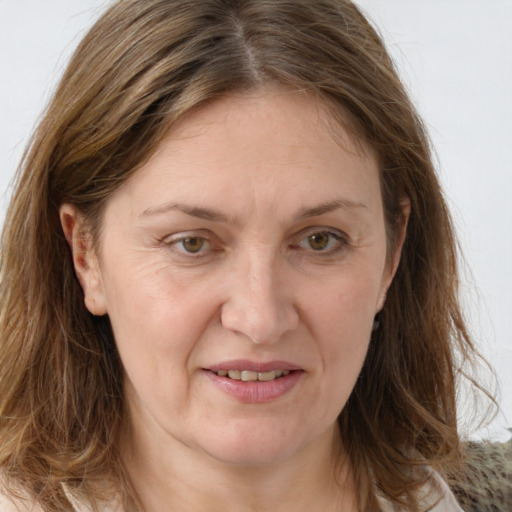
(336, 242)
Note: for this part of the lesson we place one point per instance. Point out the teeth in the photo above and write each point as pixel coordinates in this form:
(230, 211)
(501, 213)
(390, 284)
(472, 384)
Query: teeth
(249, 376)
(265, 376)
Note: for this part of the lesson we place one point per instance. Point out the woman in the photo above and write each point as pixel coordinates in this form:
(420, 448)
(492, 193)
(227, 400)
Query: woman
(228, 273)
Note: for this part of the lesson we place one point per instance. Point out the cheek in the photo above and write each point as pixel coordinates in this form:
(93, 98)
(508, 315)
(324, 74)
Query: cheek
(158, 327)
(155, 317)
(341, 320)
(345, 305)
(345, 337)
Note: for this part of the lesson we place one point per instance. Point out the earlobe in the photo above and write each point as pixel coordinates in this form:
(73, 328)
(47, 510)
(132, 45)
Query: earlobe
(84, 258)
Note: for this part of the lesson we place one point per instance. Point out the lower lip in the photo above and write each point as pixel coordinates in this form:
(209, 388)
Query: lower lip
(256, 392)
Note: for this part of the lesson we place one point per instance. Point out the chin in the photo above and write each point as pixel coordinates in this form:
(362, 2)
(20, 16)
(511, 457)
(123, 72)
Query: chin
(256, 446)
(250, 457)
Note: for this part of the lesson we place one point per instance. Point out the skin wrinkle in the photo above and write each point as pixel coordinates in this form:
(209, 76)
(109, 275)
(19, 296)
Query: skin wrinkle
(218, 216)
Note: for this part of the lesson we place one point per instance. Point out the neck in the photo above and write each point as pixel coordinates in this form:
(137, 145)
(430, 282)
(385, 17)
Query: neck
(171, 476)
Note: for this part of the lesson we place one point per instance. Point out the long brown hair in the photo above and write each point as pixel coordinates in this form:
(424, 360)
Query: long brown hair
(144, 65)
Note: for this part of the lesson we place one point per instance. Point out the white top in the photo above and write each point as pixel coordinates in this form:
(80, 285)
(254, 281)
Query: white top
(447, 503)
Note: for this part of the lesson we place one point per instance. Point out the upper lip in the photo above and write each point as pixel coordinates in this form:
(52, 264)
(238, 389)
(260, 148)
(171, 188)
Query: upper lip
(253, 366)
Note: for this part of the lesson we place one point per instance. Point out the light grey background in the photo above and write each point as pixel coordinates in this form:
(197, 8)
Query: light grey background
(456, 59)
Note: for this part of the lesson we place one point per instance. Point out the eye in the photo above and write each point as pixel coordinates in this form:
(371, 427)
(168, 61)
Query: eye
(322, 241)
(191, 244)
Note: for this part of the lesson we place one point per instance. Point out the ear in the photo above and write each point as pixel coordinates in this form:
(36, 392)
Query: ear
(85, 261)
(394, 258)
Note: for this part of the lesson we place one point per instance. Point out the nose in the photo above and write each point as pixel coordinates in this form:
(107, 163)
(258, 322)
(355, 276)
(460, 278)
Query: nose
(260, 304)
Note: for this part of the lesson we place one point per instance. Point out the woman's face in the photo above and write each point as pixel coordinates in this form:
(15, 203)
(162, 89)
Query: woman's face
(241, 269)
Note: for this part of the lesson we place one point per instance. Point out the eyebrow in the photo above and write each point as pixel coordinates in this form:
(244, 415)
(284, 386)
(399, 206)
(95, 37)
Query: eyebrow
(330, 206)
(217, 216)
(193, 211)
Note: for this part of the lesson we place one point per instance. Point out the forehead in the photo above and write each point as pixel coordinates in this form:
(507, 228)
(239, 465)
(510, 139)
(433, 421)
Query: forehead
(268, 147)
(282, 112)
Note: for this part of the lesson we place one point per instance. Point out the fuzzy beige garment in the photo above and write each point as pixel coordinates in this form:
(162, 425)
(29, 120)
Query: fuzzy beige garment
(487, 484)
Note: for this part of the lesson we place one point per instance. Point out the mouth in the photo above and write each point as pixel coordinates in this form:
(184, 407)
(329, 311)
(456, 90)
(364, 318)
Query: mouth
(255, 382)
(252, 376)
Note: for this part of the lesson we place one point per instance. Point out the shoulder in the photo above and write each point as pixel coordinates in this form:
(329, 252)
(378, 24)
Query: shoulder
(435, 496)
(447, 500)
(17, 500)
(9, 503)
(12, 503)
